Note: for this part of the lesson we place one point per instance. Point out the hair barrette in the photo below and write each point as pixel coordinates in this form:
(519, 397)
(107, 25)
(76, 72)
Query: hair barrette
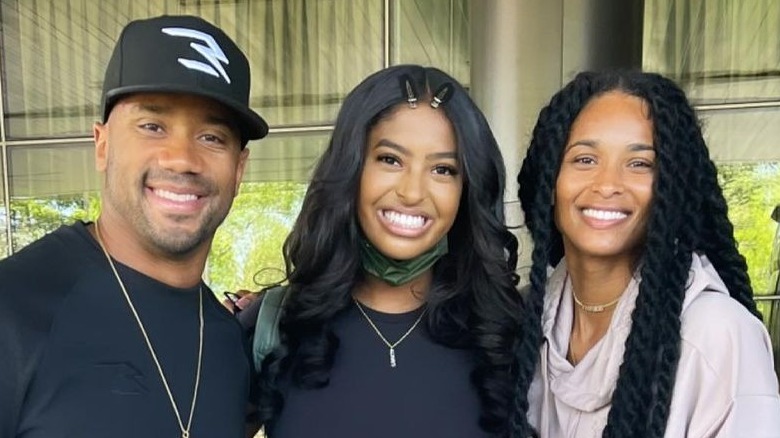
(441, 95)
(408, 89)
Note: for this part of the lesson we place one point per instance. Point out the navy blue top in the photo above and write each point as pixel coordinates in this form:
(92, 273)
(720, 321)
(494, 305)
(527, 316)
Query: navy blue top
(76, 362)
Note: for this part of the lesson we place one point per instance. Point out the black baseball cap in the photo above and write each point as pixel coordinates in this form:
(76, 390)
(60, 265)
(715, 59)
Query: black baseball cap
(182, 54)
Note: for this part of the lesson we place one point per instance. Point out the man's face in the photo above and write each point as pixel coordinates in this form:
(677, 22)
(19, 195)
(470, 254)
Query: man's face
(172, 164)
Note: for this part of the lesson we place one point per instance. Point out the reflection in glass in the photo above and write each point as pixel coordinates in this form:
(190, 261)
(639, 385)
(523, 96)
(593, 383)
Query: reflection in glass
(752, 190)
(721, 51)
(749, 134)
(4, 250)
(771, 312)
(54, 56)
(247, 249)
(57, 185)
(432, 33)
(305, 56)
(285, 157)
(50, 186)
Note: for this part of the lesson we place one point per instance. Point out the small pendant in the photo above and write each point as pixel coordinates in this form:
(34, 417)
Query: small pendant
(392, 357)
(185, 434)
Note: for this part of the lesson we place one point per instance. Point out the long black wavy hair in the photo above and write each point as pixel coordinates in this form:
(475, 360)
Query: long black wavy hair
(473, 302)
(688, 214)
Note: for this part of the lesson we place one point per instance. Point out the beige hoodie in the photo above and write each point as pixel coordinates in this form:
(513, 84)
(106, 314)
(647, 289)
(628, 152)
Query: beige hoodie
(725, 385)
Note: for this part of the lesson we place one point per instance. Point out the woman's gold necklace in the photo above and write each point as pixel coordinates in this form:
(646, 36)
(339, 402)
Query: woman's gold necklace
(594, 308)
(390, 346)
(185, 431)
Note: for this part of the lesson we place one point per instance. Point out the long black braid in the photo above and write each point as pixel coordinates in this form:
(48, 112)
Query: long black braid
(688, 215)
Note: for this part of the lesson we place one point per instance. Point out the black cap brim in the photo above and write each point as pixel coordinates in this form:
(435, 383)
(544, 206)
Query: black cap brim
(251, 125)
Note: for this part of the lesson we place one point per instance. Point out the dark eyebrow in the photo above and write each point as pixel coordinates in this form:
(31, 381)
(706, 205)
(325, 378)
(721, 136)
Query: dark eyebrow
(227, 122)
(392, 145)
(588, 143)
(634, 147)
(639, 147)
(211, 119)
(404, 151)
(152, 108)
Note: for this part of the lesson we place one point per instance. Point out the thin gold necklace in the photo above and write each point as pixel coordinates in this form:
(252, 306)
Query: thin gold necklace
(594, 308)
(390, 346)
(185, 431)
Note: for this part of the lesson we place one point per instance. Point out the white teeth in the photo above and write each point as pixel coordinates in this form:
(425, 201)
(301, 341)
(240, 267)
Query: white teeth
(604, 215)
(177, 197)
(404, 220)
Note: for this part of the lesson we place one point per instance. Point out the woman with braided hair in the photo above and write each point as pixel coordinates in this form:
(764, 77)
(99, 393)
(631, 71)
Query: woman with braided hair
(646, 327)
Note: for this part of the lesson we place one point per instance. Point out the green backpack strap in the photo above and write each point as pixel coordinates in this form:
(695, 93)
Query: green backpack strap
(266, 336)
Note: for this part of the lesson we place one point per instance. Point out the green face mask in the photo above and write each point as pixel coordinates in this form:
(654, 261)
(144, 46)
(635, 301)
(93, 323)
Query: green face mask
(398, 272)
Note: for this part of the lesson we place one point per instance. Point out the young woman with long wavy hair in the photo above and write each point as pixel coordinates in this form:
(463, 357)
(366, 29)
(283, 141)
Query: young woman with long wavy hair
(401, 313)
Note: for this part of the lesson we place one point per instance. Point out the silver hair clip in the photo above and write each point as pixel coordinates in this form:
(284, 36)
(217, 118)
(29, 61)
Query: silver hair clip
(410, 95)
(441, 95)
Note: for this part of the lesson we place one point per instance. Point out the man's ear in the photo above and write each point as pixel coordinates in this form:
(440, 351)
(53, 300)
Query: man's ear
(100, 136)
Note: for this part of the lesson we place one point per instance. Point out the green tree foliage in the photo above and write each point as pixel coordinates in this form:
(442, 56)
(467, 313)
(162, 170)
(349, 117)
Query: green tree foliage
(752, 191)
(247, 249)
(32, 218)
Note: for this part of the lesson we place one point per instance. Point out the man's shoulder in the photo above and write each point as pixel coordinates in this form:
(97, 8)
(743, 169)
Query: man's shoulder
(33, 283)
(36, 278)
(55, 252)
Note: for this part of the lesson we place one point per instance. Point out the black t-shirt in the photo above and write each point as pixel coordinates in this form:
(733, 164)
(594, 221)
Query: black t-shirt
(427, 395)
(78, 365)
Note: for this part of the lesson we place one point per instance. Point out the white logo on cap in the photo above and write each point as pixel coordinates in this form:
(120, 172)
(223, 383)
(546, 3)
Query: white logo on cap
(211, 51)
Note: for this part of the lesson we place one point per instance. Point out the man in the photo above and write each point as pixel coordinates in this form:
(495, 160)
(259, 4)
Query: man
(107, 328)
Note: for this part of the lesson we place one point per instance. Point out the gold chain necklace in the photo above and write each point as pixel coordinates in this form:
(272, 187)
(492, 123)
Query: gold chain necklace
(383, 338)
(594, 308)
(185, 431)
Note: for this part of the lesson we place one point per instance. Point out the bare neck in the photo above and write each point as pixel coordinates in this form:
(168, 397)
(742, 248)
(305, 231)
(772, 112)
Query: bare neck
(384, 297)
(125, 248)
(597, 281)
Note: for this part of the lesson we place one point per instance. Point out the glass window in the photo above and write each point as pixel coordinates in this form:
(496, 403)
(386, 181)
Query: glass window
(4, 250)
(743, 134)
(285, 157)
(246, 252)
(752, 190)
(433, 33)
(54, 55)
(725, 54)
(305, 56)
(56, 185)
(50, 186)
(721, 50)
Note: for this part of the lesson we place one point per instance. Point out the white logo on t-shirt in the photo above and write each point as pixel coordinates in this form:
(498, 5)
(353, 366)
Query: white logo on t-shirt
(211, 51)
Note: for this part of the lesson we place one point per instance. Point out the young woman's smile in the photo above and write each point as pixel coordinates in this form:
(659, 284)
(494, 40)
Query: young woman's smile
(604, 189)
(411, 185)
